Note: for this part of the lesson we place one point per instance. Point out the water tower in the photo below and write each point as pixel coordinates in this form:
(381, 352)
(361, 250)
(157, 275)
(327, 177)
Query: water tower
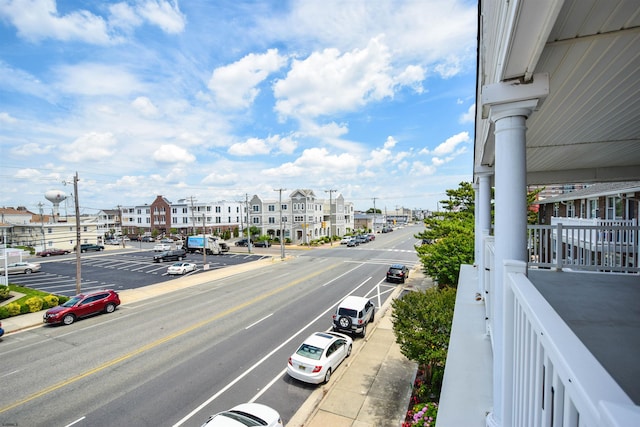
(55, 197)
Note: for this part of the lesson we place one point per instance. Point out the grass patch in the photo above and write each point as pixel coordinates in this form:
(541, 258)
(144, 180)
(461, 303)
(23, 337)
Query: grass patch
(21, 306)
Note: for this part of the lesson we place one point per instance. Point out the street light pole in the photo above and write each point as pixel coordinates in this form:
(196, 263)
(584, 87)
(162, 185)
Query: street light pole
(330, 211)
(280, 190)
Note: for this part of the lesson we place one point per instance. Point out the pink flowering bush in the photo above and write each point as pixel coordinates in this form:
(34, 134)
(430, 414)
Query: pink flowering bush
(422, 415)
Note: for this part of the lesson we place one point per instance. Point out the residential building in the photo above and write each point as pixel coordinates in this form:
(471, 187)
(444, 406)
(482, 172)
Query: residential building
(533, 344)
(305, 217)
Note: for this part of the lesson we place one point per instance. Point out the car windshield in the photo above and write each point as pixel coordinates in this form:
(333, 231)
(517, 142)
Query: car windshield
(309, 351)
(243, 418)
(71, 302)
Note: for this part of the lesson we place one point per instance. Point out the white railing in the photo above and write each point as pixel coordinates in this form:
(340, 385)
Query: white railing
(608, 246)
(556, 381)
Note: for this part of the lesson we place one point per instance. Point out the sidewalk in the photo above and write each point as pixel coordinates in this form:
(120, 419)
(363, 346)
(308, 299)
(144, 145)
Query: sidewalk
(371, 388)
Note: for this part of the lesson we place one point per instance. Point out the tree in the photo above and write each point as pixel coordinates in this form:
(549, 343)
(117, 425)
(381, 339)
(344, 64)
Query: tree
(372, 210)
(422, 326)
(450, 236)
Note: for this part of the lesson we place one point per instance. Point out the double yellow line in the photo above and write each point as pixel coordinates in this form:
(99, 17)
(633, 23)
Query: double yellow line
(160, 341)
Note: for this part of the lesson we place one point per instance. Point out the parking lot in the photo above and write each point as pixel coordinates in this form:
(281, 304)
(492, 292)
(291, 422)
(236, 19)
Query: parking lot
(115, 269)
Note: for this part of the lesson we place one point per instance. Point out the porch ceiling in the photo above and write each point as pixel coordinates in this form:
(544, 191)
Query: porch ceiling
(588, 127)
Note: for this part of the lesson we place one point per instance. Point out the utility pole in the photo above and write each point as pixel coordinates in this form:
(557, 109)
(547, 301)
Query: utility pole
(78, 243)
(42, 224)
(280, 190)
(193, 217)
(330, 220)
(246, 201)
(374, 215)
(204, 242)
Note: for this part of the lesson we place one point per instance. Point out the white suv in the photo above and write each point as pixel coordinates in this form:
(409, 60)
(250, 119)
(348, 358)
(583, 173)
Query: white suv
(353, 314)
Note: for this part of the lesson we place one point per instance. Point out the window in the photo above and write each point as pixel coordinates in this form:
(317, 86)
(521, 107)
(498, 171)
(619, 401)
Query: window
(256, 208)
(271, 208)
(571, 209)
(218, 209)
(614, 207)
(593, 211)
(284, 207)
(272, 220)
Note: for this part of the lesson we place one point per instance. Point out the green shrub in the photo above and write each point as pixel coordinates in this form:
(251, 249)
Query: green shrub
(51, 301)
(4, 292)
(34, 304)
(13, 309)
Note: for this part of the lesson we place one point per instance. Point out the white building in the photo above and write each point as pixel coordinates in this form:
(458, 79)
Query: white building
(557, 102)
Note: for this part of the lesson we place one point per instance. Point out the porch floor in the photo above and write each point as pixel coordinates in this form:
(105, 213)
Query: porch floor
(603, 310)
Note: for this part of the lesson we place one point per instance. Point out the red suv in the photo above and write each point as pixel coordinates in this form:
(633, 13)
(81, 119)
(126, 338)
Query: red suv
(83, 305)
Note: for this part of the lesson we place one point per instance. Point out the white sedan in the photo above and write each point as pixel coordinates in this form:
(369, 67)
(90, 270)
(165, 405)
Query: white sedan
(161, 247)
(319, 356)
(181, 268)
(246, 414)
(21, 267)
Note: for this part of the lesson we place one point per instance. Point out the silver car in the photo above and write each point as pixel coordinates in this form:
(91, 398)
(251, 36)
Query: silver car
(20, 268)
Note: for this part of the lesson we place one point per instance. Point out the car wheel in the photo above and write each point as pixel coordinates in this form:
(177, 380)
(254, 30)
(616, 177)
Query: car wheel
(373, 316)
(68, 319)
(82, 251)
(27, 271)
(179, 258)
(327, 376)
(364, 331)
(47, 255)
(344, 322)
(110, 308)
(348, 351)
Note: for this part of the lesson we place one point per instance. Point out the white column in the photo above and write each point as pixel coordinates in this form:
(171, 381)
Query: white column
(510, 238)
(483, 222)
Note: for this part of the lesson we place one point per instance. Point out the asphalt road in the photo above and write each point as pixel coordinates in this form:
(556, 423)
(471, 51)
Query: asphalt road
(174, 359)
(116, 269)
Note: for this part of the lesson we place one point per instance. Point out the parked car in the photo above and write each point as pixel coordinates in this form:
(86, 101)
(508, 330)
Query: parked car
(181, 268)
(86, 247)
(1, 330)
(371, 236)
(243, 242)
(246, 414)
(166, 240)
(360, 239)
(147, 239)
(352, 242)
(319, 356)
(161, 247)
(172, 255)
(113, 242)
(20, 267)
(397, 273)
(83, 305)
(345, 240)
(53, 251)
(262, 244)
(353, 314)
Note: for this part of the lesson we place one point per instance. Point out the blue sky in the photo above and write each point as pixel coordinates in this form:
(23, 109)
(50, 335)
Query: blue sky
(219, 99)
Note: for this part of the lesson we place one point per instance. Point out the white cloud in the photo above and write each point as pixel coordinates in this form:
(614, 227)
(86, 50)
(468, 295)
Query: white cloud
(469, 116)
(169, 153)
(235, 85)
(449, 146)
(328, 82)
(251, 147)
(257, 146)
(36, 20)
(96, 79)
(422, 169)
(164, 14)
(32, 149)
(315, 162)
(89, 147)
(6, 118)
(145, 106)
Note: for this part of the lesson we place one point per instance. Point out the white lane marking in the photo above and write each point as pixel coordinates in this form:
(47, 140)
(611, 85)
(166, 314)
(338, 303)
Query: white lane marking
(258, 321)
(261, 361)
(75, 422)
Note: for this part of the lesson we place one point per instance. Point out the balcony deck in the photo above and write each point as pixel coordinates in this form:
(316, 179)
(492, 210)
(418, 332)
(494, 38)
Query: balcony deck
(603, 310)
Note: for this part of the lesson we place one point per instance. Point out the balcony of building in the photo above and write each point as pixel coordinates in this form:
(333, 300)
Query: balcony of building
(570, 330)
